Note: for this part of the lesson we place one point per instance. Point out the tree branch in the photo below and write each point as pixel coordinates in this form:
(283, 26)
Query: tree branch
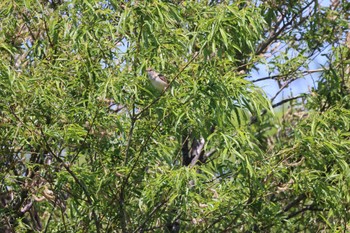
(79, 182)
(307, 208)
(286, 100)
(274, 36)
(196, 150)
(286, 84)
(306, 72)
(295, 202)
(158, 206)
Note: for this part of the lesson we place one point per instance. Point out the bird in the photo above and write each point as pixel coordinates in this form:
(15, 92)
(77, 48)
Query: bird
(158, 80)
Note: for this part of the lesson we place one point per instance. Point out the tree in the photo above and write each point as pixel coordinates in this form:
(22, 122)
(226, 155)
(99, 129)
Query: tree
(88, 145)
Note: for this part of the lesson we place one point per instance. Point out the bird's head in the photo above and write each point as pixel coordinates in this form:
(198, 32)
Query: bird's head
(152, 74)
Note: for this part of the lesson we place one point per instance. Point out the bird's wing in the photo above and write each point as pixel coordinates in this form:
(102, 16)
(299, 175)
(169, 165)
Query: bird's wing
(162, 77)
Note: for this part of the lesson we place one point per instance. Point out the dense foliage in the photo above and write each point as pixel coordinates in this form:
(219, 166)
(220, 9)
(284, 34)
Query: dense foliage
(88, 145)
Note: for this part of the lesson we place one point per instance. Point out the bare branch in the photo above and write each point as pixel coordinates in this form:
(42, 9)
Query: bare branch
(286, 84)
(196, 150)
(79, 182)
(307, 208)
(295, 202)
(306, 72)
(274, 36)
(286, 100)
(158, 206)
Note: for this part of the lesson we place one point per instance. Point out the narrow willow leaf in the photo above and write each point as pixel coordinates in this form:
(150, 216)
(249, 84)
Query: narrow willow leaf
(224, 37)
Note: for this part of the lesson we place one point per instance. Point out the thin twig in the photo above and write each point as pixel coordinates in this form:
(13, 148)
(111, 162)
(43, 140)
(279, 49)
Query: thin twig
(124, 183)
(286, 100)
(122, 190)
(269, 40)
(295, 202)
(131, 132)
(85, 138)
(307, 208)
(306, 72)
(286, 84)
(79, 182)
(158, 206)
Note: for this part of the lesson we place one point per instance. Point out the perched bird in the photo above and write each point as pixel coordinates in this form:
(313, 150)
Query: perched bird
(158, 80)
